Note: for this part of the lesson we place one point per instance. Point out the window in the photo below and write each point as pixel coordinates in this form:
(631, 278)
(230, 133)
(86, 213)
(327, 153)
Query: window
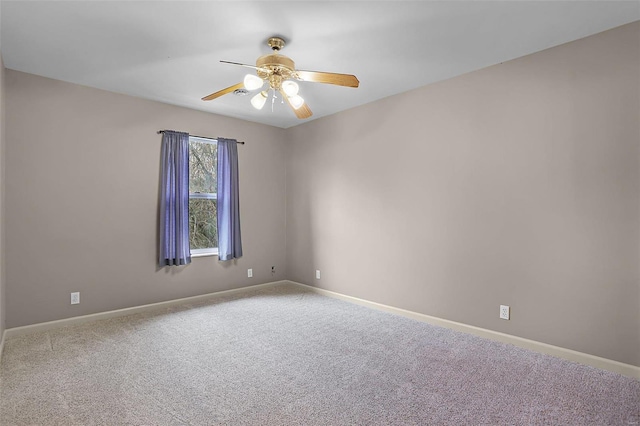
(203, 200)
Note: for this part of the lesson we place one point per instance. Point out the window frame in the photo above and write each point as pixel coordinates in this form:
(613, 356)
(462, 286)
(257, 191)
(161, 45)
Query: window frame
(211, 251)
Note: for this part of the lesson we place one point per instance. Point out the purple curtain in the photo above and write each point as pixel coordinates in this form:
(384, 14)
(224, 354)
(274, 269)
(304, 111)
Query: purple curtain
(229, 241)
(174, 200)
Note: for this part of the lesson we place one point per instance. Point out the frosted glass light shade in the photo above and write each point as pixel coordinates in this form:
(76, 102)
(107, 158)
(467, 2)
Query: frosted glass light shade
(252, 82)
(290, 88)
(296, 101)
(259, 100)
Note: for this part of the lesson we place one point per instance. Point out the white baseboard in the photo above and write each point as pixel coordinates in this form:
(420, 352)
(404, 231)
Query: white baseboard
(557, 351)
(4, 334)
(44, 326)
(568, 354)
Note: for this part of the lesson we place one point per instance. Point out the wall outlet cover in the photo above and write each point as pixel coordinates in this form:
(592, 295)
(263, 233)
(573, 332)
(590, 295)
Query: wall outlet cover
(250, 273)
(317, 274)
(75, 298)
(504, 312)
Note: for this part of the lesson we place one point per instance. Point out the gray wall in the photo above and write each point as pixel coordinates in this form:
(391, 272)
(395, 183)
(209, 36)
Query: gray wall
(518, 184)
(82, 169)
(2, 185)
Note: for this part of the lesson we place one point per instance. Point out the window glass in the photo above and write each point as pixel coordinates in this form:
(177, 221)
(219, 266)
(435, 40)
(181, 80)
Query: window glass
(203, 228)
(202, 166)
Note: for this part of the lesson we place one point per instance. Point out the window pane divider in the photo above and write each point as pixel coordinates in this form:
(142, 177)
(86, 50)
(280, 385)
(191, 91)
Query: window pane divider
(205, 195)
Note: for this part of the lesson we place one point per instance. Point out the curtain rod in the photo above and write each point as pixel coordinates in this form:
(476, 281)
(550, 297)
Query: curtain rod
(201, 137)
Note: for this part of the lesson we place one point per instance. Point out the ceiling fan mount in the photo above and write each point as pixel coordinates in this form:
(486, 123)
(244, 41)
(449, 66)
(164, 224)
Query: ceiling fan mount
(276, 43)
(279, 71)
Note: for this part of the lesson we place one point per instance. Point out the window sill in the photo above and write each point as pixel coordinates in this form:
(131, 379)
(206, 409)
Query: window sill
(204, 254)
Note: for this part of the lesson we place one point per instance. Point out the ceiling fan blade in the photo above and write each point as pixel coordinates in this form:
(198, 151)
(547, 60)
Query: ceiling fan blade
(302, 112)
(242, 65)
(347, 80)
(223, 92)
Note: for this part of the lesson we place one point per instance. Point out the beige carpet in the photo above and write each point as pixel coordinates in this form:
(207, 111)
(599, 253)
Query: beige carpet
(283, 356)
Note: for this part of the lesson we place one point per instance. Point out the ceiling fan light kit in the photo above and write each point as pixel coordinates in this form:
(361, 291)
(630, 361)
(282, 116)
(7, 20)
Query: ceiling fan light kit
(290, 88)
(252, 82)
(259, 100)
(296, 101)
(280, 71)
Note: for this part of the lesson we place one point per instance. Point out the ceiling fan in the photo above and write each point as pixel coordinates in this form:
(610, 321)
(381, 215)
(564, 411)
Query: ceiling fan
(279, 72)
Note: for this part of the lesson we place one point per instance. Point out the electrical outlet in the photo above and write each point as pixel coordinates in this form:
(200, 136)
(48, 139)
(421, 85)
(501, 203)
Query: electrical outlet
(504, 312)
(317, 274)
(273, 270)
(75, 298)
(250, 273)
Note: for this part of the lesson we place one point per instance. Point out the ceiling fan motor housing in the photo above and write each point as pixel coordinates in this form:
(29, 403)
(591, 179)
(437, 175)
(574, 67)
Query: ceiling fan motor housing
(275, 68)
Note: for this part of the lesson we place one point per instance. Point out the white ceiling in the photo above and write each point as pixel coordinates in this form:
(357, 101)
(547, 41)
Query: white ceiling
(170, 51)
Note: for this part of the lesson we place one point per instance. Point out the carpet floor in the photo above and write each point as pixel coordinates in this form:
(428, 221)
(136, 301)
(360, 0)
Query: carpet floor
(286, 356)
